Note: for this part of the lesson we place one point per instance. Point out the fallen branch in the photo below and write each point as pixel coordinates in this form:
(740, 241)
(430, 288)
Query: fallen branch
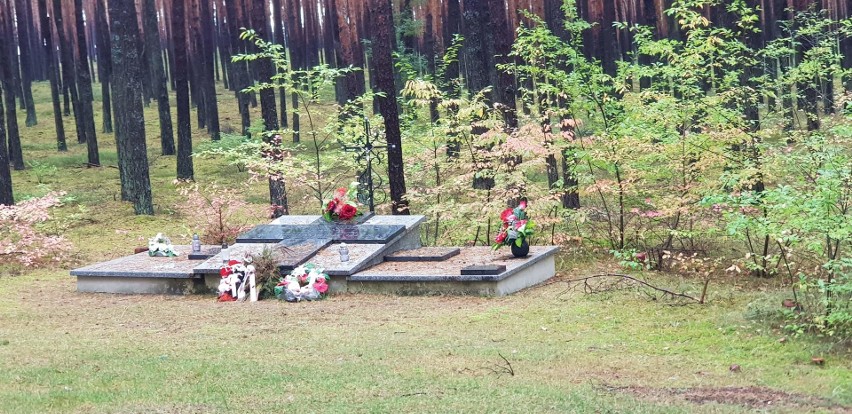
(503, 369)
(622, 278)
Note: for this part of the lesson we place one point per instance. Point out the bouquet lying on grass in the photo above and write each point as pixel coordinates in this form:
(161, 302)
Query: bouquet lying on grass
(306, 282)
(517, 227)
(340, 208)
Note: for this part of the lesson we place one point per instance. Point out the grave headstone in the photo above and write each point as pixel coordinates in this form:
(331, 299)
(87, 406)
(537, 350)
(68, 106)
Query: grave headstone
(321, 233)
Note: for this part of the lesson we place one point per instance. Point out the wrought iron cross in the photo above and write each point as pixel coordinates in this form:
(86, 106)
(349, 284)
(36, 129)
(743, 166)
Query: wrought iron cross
(365, 153)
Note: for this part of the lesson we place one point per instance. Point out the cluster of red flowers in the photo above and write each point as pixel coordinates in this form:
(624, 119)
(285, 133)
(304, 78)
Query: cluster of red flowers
(514, 225)
(338, 208)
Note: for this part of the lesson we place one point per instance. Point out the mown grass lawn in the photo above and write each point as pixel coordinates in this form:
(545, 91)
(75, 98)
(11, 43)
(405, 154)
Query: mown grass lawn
(545, 349)
(63, 351)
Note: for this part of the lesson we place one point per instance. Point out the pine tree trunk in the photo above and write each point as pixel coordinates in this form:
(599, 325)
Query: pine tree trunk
(279, 39)
(129, 119)
(7, 76)
(185, 170)
(208, 61)
(350, 50)
(69, 72)
(264, 69)
(476, 59)
(84, 81)
(296, 45)
(52, 74)
(382, 35)
(158, 77)
(24, 44)
(104, 63)
(10, 34)
(504, 88)
(6, 196)
(239, 75)
(14, 138)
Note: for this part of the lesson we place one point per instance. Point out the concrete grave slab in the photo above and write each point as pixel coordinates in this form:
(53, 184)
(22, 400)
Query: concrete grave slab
(354, 233)
(423, 254)
(446, 278)
(142, 265)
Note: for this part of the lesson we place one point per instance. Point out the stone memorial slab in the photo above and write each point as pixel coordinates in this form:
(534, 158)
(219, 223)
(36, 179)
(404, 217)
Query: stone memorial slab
(423, 254)
(418, 278)
(205, 253)
(235, 251)
(483, 269)
(407, 221)
(292, 255)
(349, 233)
(288, 256)
(142, 265)
(451, 268)
(359, 255)
(296, 220)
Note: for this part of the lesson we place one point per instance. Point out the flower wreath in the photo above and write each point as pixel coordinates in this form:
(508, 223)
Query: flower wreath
(306, 282)
(235, 277)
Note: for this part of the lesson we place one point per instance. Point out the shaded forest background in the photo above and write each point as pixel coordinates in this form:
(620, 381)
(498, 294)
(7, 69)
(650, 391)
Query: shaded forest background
(141, 50)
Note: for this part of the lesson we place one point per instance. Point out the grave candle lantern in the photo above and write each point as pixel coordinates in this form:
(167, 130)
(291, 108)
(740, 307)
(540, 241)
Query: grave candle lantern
(226, 255)
(196, 243)
(344, 252)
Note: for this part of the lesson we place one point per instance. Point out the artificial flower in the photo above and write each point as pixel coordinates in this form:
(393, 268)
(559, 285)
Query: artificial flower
(348, 212)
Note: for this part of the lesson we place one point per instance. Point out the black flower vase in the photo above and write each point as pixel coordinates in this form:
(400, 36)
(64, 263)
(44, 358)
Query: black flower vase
(521, 251)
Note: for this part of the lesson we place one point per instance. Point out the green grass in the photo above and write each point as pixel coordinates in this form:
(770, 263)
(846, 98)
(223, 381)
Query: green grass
(61, 351)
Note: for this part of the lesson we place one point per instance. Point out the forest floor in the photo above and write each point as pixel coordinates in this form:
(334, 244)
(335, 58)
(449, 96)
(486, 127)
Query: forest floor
(545, 349)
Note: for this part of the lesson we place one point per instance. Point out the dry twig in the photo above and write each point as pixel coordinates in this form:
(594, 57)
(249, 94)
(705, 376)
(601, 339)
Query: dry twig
(503, 369)
(593, 284)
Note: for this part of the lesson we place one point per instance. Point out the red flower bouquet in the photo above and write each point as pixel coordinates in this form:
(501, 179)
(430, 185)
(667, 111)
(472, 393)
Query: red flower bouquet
(516, 227)
(340, 208)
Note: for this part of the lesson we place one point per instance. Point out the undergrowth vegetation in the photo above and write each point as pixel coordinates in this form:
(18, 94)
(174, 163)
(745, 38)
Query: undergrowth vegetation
(690, 158)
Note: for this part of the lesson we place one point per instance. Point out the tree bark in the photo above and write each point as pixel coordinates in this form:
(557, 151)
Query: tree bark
(158, 76)
(296, 45)
(47, 36)
(185, 170)
(104, 63)
(351, 51)
(476, 59)
(504, 88)
(382, 35)
(264, 69)
(279, 39)
(24, 43)
(84, 81)
(239, 74)
(208, 61)
(6, 196)
(69, 72)
(7, 75)
(129, 119)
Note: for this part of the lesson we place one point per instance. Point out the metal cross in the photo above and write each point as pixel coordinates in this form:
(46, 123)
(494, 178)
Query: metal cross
(365, 153)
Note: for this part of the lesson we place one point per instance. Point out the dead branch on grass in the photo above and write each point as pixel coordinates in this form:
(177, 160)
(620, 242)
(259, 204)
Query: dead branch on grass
(506, 368)
(608, 282)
